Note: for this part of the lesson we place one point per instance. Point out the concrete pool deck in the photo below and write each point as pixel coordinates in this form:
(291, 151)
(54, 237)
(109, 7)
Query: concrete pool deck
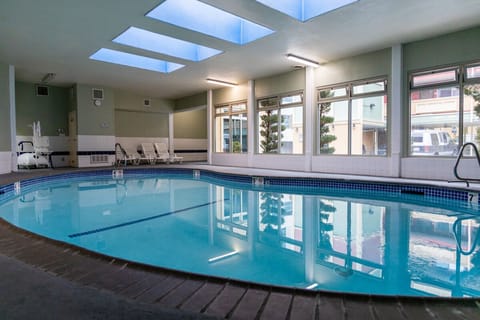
(46, 279)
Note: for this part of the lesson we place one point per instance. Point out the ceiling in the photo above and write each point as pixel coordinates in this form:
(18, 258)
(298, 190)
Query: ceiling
(53, 36)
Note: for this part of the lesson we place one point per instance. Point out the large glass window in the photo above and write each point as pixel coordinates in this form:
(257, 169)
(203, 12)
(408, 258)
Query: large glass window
(352, 118)
(444, 110)
(280, 124)
(471, 107)
(231, 127)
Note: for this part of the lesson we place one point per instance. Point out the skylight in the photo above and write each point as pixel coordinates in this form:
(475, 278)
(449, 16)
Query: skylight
(151, 41)
(305, 9)
(200, 17)
(136, 61)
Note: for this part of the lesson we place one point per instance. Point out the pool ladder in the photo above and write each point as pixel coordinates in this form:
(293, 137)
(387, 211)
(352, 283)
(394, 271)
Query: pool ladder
(459, 157)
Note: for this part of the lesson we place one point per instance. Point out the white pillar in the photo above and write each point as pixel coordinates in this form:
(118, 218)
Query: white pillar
(171, 133)
(251, 122)
(13, 124)
(309, 117)
(396, 117)
(209, 126)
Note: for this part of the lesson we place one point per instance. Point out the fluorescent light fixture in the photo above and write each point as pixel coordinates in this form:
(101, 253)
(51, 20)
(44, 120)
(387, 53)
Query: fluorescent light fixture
(312, 286)
(223, 256)
(304, 10)
(201, 17)
(48, 77)
(301, 60)
(136, 61)
(143, 39)
(221, 82)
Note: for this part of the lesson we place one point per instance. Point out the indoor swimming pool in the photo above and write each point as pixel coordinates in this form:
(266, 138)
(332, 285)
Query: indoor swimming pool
(318, 234)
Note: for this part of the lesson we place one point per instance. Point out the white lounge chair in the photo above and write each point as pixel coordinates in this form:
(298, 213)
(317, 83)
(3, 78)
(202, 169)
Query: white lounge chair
(125, 156)
(149, 154)
(162, 150)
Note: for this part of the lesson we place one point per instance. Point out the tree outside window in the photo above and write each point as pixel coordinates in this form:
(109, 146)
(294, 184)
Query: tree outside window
(326, 138)
(280, 124)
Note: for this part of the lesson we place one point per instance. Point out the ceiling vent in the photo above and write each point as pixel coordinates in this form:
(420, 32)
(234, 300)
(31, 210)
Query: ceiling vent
(41, 90)
(97, 94)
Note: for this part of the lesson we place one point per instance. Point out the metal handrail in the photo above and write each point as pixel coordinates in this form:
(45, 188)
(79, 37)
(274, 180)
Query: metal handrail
(457, 233)
(460, 155)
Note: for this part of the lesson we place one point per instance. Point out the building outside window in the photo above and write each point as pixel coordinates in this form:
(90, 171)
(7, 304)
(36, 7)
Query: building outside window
(280, 124)
(352, 118)
(231, 127)
(444, 110)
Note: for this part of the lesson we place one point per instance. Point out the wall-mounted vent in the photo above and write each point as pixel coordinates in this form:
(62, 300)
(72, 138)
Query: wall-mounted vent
(41, 90)
(147, 103)
(97, 94)
(99, 158)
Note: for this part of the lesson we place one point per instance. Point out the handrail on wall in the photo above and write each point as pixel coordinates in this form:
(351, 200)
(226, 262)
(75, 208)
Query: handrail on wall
(460, 156)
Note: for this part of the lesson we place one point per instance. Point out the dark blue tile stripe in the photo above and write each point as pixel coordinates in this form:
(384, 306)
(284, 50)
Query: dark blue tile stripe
(307, 185)
(129, 223)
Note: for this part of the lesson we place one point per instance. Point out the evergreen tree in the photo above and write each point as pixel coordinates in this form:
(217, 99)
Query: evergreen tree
(269, 131)
(325, 137)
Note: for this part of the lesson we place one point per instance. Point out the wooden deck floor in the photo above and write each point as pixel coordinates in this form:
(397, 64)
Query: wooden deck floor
(215, 297)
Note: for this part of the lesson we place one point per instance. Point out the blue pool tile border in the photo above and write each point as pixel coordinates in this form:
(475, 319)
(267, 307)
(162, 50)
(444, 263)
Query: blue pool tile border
(361, 186)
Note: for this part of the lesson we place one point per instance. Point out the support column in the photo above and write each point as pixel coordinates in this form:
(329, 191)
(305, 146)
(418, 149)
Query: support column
(396, 114)
(251, 122)
(171, 134)
(209, 125)
(13, 119)
(308, 139)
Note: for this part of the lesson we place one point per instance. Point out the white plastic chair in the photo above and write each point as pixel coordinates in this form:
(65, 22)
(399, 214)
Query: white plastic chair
(162, 151)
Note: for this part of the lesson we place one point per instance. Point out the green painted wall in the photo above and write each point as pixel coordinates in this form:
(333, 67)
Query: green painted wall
(189, 102)
(282, 83)
(92, 119)
(373, 64)
(5, 137)
(190, 124)
(133, 119)
(462, 46)
(140, 124)
(125, 100)
(51, 110)
(226, 95)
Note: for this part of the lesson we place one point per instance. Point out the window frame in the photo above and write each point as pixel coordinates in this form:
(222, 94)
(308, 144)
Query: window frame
(349, 97)
(461, 81)
(229, 112)
(278, 106)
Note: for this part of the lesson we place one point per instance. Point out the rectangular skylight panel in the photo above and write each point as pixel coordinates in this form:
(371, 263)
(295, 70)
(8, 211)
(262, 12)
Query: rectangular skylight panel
(197, 16)
(304, 10)
(136, 61)
(155, 42)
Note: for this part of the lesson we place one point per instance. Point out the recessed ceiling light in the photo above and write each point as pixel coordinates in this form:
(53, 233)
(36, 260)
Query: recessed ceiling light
(201, 17)
(221, 82)
(133, 60)
(304, 10)
(159, 43)
(302, 60)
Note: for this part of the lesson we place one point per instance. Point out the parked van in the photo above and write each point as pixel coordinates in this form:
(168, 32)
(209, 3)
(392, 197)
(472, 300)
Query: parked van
(432, 143)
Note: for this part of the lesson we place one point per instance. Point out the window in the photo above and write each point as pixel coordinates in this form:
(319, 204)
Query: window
(352, 118)
(231, 127)
(280, 124)
(441, 118)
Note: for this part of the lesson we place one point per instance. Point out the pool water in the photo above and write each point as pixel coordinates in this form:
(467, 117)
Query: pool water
(320, 239)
